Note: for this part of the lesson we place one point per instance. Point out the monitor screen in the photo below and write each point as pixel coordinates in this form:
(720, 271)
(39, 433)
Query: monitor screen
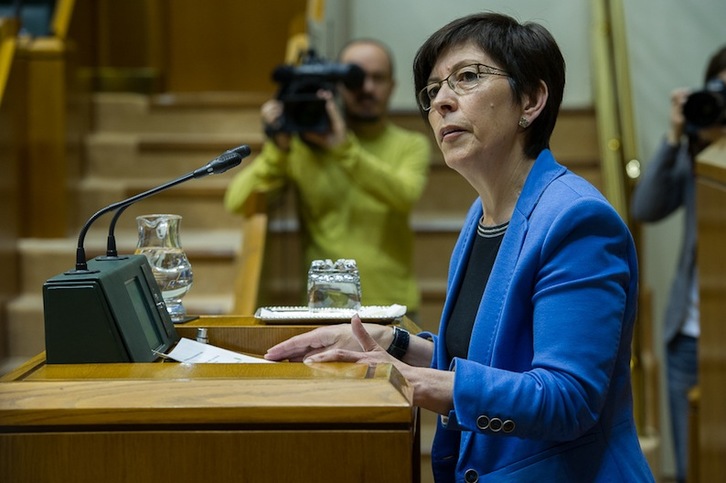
(144, 314)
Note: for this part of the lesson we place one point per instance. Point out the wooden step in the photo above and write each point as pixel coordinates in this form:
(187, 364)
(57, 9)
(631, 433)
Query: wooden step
(211, 253)
(199, 201)
(25, 326)
(159, 156)
(210, 113)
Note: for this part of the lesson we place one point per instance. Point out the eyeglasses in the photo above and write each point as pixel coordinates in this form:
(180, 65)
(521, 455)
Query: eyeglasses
(460, 81)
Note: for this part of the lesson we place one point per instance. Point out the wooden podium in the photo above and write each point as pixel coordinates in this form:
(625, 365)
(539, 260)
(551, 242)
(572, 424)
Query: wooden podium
(173, 422)
(708, 441)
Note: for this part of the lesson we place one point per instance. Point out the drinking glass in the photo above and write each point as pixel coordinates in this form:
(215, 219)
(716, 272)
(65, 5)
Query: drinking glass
(334, 284)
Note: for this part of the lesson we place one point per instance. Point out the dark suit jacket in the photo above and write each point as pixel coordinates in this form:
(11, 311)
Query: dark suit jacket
(668, 184)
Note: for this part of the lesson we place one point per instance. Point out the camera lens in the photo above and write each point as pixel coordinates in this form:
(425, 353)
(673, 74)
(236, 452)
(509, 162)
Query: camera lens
(703, 109)
(707, 107)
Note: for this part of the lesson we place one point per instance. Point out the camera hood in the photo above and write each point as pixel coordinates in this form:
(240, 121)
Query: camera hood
(351, 75)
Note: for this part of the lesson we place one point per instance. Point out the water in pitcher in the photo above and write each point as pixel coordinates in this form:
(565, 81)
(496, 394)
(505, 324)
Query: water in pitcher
(171, 269)
(173, 274)
(159, 241)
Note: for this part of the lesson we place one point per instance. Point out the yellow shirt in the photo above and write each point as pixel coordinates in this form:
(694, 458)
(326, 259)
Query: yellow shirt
(354, 202)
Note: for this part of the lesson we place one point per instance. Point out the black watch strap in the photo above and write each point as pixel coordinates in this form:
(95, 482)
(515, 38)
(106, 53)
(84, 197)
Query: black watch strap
(399, 344)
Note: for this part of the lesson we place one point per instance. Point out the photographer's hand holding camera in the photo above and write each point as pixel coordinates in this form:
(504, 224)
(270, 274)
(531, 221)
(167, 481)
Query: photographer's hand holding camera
(272, 113)
(356, 174)
(697, 118)
(338, 132)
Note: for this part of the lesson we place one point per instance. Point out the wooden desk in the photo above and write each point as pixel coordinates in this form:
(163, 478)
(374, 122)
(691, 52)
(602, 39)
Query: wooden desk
(708, 459)
(137, 422)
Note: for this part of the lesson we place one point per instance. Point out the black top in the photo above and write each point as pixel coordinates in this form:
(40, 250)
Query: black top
(478, 269)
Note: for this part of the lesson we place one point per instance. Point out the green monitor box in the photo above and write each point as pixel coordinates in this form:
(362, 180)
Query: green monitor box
(112, 312)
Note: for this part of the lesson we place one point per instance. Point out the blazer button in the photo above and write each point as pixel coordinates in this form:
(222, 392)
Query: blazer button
(482, 422)
(495, 425)
(508, 426)
(471, 476)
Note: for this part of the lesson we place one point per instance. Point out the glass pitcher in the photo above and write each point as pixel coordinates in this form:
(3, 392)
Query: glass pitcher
(159, 241)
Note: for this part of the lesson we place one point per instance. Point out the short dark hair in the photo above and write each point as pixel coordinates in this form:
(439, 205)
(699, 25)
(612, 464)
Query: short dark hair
(716, 64)
(527, 51)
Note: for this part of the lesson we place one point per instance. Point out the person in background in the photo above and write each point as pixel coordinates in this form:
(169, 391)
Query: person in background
(356, 184)
(530, 369)
(668, 184)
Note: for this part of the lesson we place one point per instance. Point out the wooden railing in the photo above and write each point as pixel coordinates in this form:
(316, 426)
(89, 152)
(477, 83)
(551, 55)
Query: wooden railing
(251, 255)
(37, 77)
(8, 31)
(10, 166)
(40, 132)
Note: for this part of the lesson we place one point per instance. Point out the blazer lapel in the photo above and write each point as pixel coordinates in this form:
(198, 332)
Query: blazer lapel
(490, 316)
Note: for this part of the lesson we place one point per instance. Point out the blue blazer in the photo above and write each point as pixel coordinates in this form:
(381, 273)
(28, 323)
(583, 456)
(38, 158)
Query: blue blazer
(545, 393)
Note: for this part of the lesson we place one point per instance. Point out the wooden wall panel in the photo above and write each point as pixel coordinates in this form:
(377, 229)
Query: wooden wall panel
(711, 411)
(187, 45)
(227, 45)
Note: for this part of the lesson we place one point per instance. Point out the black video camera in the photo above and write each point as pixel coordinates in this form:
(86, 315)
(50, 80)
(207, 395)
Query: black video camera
(706, 108)
(303, 110)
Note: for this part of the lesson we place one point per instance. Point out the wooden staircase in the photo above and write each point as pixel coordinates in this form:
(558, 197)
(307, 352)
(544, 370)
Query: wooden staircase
(143, 141)
(139, 142)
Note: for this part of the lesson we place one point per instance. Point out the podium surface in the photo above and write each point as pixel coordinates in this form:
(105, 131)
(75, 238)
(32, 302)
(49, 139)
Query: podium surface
(168, 421)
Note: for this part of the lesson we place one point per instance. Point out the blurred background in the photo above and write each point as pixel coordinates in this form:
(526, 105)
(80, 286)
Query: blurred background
(100, 100)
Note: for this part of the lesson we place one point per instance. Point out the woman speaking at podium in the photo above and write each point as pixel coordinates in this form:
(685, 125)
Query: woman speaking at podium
(530, 369)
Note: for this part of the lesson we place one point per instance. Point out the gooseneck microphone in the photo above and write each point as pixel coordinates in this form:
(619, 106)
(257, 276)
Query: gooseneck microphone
(218, 165)
(111, 309)
(227, 160)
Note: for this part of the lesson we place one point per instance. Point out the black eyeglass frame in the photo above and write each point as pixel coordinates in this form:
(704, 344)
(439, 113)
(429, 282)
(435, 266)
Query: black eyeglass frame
(425, 98)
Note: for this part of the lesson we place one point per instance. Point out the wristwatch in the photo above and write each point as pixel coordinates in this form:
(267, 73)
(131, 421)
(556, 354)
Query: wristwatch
(399, 344)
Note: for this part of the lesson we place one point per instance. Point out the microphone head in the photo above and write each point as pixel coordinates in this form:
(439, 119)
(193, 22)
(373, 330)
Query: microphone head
(224, 162)
(243, 150)
(218, 165)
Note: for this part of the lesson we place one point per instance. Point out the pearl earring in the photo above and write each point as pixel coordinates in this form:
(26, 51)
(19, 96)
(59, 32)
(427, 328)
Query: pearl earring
(523, 122)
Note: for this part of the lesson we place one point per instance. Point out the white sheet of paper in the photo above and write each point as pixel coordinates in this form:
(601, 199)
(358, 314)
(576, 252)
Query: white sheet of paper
(191, 351)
